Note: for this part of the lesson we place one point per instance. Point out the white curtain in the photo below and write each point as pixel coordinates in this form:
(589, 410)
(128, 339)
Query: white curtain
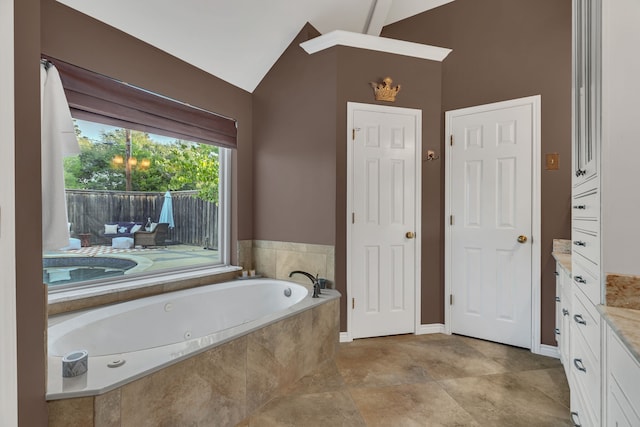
(58, 140)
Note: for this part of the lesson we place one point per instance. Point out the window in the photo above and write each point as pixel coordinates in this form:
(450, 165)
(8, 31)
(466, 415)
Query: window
(149, 191)
(138, 204)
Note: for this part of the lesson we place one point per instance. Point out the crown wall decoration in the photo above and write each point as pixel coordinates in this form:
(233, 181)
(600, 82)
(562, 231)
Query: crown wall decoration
(384, 91)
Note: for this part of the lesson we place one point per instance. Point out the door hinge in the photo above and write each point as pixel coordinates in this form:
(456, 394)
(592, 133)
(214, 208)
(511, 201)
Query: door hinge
(450, 219)
(450, 299)
(353, 217)
(451, 139)
(353, 133)
(353, 303)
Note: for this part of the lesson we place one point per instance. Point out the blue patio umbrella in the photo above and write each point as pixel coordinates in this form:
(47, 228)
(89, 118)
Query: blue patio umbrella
(166, 214)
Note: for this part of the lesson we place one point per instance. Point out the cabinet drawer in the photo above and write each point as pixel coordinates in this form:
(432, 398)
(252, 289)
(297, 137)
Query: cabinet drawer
(586, 205)
(584, 280)
(624, 370)
(586, 320)
(581, 414)
(620, 412)
(585, 371)
(586, 244)
(589, 225)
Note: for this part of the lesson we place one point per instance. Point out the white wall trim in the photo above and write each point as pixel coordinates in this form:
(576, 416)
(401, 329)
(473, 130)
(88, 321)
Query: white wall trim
(8, 340)
(377, 16)
(380, 44)
(345, 337)
(433, 328)
(351, 107)
(548, 350)
(536, 227)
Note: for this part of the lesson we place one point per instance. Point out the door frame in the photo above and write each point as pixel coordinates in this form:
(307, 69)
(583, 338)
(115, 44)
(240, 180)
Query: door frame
(535, 102)
(8, 307)
(351, 107)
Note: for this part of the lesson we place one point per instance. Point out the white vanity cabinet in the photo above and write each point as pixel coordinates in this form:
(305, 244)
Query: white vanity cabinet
(584, 362)
(622, 381)
(585, 359)
(586, 112)
(604, 376)
(563, 315)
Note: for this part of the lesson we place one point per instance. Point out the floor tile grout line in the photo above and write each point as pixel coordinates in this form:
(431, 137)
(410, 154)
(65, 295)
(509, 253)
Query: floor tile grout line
(458, 403)
(349, 389)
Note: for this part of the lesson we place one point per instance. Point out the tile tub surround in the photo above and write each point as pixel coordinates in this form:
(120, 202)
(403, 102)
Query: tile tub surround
(218, 387)
(277, 259)
(245, 254)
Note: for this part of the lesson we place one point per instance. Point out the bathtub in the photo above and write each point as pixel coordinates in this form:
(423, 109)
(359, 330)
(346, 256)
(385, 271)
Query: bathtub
(129, 341)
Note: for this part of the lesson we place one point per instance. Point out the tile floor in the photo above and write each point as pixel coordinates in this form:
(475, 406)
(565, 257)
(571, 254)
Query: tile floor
(426, 380)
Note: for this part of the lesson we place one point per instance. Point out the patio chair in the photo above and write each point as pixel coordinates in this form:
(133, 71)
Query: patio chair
(156, 237)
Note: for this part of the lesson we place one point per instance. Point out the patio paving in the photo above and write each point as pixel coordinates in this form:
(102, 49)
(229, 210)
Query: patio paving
(148, 259)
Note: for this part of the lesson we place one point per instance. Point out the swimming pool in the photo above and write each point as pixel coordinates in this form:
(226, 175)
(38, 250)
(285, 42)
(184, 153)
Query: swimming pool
(58, 271)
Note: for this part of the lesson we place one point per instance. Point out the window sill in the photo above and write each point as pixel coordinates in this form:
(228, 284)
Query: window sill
(124, 290)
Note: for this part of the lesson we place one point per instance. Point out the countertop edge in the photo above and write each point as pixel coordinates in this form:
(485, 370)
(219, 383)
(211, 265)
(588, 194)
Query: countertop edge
(564, 260)
(613, 316)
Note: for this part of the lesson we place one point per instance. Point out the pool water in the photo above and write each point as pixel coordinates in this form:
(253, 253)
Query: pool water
(58, 271)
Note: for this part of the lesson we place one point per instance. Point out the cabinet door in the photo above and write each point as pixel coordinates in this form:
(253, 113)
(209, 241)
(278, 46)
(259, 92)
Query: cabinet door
(619, 411)
(586, 88)
(558, 331)
(623, 383)
(567, 304)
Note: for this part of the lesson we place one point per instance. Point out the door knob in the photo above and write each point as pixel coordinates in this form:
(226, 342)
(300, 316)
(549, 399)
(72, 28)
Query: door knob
(522, 239)
(410, 235)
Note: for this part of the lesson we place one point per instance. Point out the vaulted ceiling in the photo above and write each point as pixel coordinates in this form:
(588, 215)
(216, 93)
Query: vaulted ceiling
(240, 40)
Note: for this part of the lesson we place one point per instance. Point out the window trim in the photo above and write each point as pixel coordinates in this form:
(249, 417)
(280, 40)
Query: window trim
(224, 217)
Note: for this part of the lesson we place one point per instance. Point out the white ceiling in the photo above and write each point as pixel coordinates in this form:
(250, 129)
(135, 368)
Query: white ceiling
(239, 40)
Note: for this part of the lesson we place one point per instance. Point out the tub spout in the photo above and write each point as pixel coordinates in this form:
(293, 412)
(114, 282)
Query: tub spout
(314, 280)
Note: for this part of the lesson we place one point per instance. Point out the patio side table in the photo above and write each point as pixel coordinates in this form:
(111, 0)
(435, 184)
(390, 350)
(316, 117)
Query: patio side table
(85, 239)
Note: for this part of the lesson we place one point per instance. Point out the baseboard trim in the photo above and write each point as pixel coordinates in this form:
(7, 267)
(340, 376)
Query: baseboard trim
(432, 328)
(549, 351)
(345, 337)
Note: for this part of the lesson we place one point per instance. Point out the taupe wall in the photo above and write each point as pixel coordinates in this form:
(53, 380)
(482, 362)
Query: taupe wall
(294, 147)
(300, 118)
(76, 38)
(30, 293)
(505, 49)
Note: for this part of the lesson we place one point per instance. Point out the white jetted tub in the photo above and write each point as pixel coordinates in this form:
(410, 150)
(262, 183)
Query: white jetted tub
(129, 340)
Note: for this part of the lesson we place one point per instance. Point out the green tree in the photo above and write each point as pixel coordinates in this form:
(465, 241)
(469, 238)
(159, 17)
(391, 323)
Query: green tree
(195, 167)
(179, 165)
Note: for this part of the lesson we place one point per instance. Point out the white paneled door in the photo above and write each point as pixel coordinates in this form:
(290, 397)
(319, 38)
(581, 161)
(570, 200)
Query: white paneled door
(383, 171)
(490, 224)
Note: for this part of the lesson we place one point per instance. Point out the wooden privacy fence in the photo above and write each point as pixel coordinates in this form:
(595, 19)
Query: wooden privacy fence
(196, 220)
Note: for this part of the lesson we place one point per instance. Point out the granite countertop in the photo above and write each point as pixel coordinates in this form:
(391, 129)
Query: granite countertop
(564, 260)
(562, 253)
(626, 324)
(622, 311)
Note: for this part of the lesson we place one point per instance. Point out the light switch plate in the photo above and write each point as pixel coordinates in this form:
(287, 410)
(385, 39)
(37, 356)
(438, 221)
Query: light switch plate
(552, 161)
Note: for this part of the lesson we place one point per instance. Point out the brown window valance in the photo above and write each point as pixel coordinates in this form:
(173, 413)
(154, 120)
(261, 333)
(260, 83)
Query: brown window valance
(101, 99)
